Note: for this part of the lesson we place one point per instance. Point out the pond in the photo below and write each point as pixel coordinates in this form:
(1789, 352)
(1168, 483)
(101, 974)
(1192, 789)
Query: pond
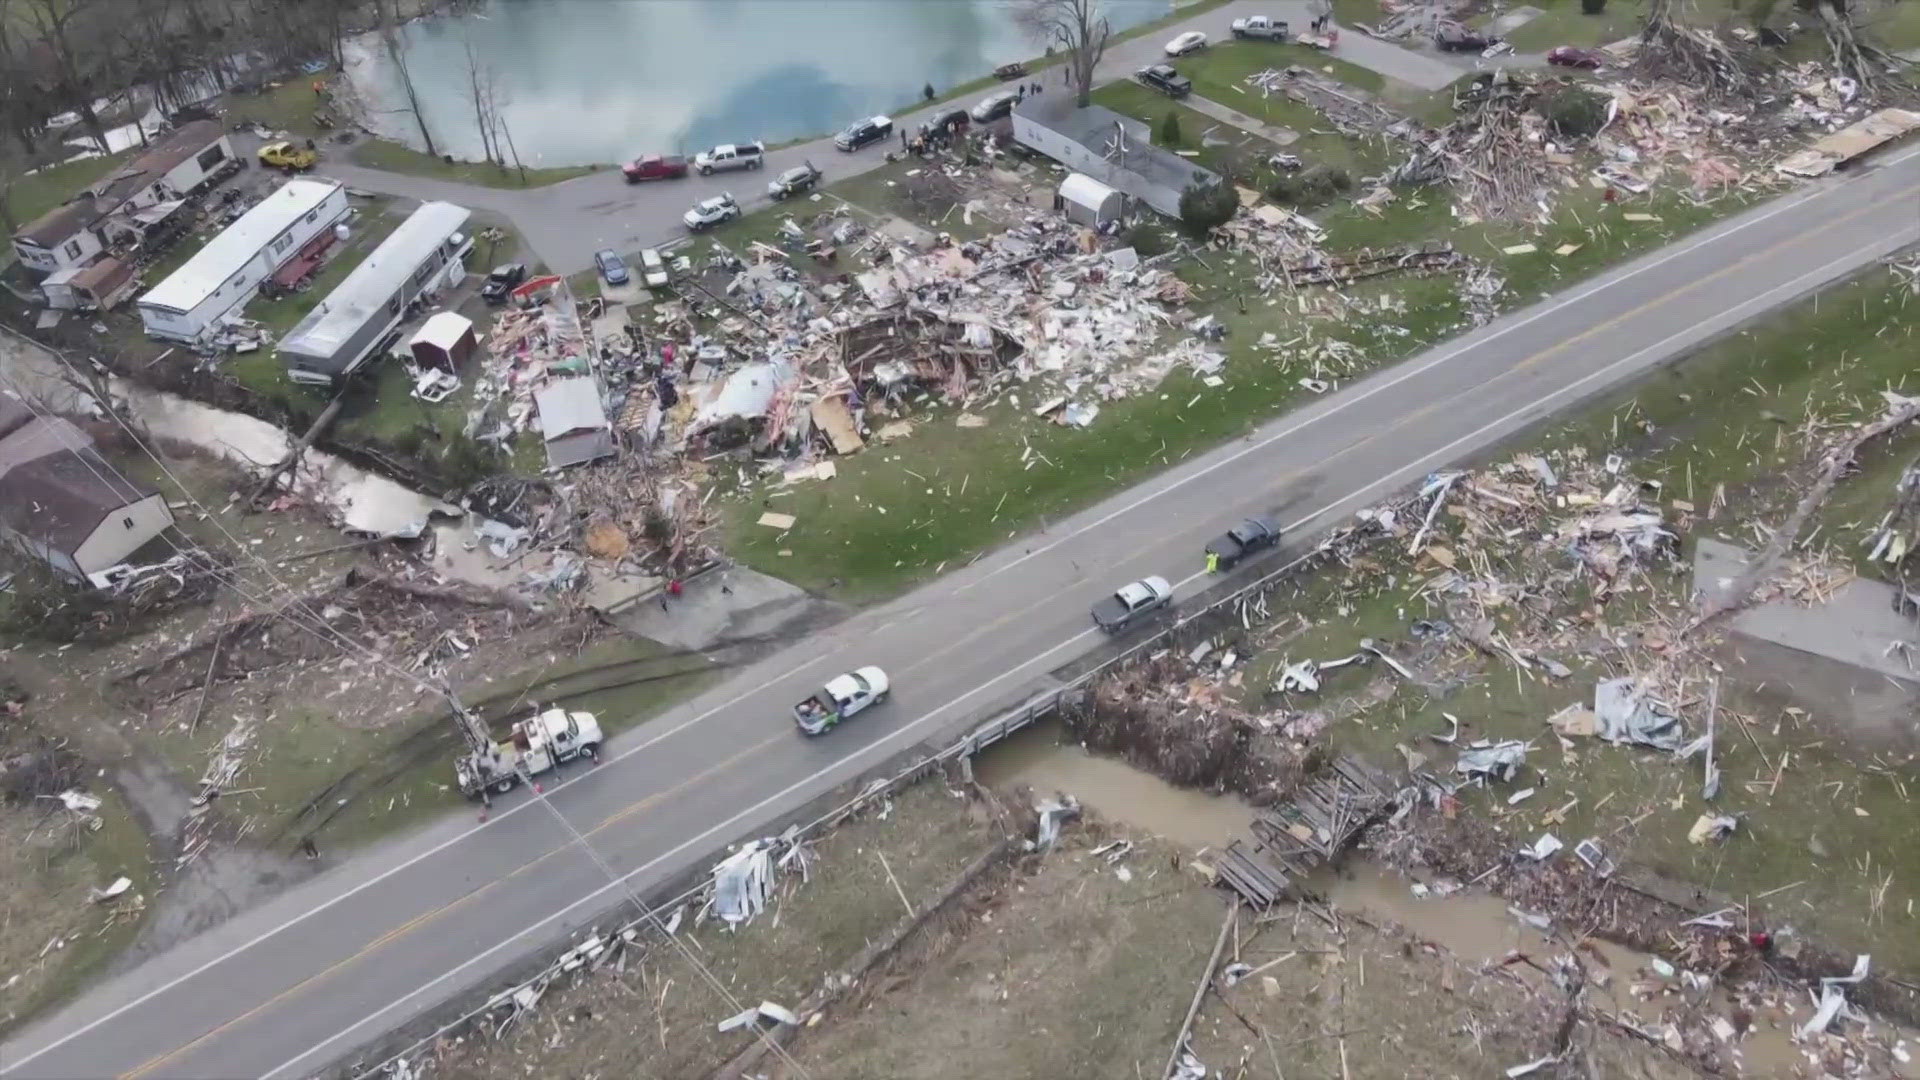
(597, 81)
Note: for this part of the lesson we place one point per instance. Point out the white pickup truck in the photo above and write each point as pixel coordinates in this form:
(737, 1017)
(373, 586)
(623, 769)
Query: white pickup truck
(843, 696)
(1260, 26)
(730, 156)
(535, 745)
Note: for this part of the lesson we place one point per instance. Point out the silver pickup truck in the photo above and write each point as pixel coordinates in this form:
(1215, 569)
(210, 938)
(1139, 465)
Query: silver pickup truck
(730, 156)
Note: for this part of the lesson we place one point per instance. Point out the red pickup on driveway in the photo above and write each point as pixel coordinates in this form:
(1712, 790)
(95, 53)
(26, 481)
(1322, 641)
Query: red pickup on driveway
(654, 167)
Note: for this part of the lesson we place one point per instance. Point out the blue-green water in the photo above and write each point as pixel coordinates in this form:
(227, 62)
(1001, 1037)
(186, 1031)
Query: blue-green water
(588, 81)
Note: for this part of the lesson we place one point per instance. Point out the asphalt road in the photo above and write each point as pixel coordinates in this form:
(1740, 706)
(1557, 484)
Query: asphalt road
(566, 223)
(337, 961)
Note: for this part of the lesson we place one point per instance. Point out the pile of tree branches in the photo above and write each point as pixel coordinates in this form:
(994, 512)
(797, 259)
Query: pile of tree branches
(1672, 51)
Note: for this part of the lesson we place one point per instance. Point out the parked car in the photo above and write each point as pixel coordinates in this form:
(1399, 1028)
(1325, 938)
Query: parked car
(840, 698)
(653, 269)
(285, 155)
(502, 281)
(800, 178)
(994, 106)
(1116, 612)
(710, 212)
(1251, 535)
(1262, 27)
(949, 120)
(864, 133)
(1575, 57)
(1191, 41)
(611, 267)
(654, 167)
(730, 156)
(1163, 78)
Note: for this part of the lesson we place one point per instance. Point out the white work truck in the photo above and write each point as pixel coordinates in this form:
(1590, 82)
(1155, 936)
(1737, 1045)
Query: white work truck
(535, 745)
(730, 156)
(842, 697)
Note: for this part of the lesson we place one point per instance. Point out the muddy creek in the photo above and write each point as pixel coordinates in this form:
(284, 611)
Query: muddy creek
(1474, 926)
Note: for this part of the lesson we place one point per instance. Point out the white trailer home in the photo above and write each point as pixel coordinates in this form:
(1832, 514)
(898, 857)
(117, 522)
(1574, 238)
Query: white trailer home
(424, 255)
(191, 303)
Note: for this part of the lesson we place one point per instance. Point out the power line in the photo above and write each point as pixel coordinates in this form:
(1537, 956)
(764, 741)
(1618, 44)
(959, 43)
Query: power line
(127, 488)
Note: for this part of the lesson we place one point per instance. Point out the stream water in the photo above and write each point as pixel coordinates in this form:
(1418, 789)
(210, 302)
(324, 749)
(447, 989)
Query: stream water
(1476, 927)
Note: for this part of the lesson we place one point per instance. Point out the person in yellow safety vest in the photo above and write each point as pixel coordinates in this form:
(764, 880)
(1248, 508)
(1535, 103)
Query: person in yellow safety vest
(1213, 562)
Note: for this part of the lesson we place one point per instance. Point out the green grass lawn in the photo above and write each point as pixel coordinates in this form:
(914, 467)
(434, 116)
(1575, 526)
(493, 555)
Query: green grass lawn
(1227, 63)
(32, 195)
(393, 157)
(1229, 150)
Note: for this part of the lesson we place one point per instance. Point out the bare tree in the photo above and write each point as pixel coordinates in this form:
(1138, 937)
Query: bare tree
(480, 94)
(390, 37)
(1856, 57)
(1077, 28)
(66, 29)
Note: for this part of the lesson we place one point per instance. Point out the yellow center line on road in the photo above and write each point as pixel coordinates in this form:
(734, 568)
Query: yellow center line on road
(1671, 297)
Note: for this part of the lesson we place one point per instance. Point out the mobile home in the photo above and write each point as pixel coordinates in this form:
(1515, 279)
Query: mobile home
(424, 255)
(190, 304)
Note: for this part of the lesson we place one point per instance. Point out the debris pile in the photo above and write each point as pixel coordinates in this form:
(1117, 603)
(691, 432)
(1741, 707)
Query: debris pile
(1495, 152)
(1352, 112)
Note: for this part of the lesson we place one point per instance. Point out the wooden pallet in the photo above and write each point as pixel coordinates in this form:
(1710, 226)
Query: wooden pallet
(1247, 870)
(1324, 818)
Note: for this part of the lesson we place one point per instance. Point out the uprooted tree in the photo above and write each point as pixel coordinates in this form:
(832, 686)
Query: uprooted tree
(1857, 58)
(1672, 50)
(1206, 206)
(1076, 28)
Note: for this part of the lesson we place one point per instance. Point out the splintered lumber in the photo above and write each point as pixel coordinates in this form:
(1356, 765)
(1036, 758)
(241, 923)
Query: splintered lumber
(1248, 871)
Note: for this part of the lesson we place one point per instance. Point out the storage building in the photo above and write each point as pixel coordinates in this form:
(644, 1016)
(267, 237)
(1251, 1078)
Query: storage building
(572, 422)
(191, 303)
(444, 341)
(1089, 202)
(424, 255)
(97, 286)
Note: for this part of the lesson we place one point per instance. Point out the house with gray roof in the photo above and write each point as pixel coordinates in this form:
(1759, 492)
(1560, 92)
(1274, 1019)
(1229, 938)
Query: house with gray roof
(1116, 150)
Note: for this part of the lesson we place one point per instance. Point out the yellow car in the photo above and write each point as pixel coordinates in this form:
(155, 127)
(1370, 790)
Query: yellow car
(285, 155)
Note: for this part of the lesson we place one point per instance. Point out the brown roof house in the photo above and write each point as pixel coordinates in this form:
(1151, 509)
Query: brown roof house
(119, 205)
(62, 502)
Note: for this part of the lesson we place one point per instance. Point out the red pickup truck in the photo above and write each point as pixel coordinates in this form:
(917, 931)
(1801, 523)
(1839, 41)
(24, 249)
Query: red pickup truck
(654, 167)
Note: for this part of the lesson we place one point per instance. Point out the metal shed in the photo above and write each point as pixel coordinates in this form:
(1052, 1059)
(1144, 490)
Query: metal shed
(1089, 202)
(572, 422)
(444, 341)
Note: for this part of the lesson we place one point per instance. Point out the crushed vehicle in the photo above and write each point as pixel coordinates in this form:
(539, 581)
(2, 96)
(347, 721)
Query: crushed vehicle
(864, 133)
(1260, 27)
(710, 212)
(1253, 534)
(502, 281)
(843, 696)
(654, 167)
(1116, 612)
(1009, 72)
(1575, 57)
(730, 156)
(540, 743)
(793, 181)
(653, 269)
(1456, 38)
(1191, 41)
(285, 155)
(994, 106)
(611, 266)
(1164, 78)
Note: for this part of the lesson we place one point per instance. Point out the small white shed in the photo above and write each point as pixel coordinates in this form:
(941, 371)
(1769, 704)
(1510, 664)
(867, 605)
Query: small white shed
(572, 422)
(1089, 202)
(444, 341)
